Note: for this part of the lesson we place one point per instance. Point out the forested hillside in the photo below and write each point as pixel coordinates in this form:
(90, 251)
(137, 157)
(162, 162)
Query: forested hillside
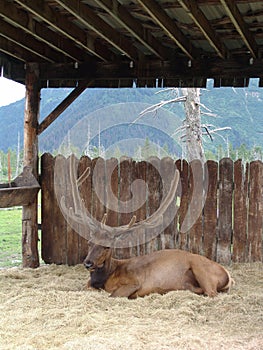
(108, 115)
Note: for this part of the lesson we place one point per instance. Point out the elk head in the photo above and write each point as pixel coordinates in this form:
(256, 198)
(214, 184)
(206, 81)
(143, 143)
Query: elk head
(97, 257)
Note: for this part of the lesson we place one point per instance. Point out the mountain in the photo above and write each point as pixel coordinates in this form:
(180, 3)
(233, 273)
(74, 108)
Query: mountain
(105, 117)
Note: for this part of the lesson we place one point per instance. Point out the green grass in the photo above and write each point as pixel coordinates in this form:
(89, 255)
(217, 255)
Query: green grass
(10, 237)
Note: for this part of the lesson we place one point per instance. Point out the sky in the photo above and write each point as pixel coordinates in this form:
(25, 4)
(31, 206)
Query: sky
(10, 91)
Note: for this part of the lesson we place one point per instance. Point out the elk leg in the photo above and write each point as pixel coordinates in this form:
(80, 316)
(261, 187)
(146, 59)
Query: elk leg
(205, 280)
(125, 290)
(194, 289)
(191, 283)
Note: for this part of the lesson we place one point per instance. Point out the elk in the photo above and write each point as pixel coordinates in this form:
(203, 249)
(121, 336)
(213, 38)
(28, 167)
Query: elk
(159, 272)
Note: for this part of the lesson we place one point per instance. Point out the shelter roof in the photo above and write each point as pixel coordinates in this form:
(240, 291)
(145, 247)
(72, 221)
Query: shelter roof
(119, 43)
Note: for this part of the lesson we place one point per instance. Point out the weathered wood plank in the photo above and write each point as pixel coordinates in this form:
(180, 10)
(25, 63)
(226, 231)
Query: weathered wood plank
(86, 196)
(225, 210)
(125, 196)
(210, 211)
(53, 242)
(139, 188)
(98, 188)
(255, 213)
(183, 236)
(59, 229)
(112, 189)
(240, 212)
(167, 174)
(177, 206)
(196, 187)
(154, 197)
(21, 191)
(47, 200)
(72, 237)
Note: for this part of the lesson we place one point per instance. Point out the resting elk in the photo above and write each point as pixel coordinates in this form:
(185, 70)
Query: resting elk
(159, 272)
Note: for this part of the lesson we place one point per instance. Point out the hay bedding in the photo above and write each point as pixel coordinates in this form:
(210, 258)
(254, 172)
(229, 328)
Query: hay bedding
(49, 308)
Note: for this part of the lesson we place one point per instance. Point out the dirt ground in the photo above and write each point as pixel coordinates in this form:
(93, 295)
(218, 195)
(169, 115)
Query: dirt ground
(49, 308)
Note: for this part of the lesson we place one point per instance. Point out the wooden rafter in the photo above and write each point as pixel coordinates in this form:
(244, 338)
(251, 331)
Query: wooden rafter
(10, 33)
(240, 25)
(203, 24)
(40, 9)
(16, 51)
(168, 25)
(21, 20)
(125, 19)
(90, 20)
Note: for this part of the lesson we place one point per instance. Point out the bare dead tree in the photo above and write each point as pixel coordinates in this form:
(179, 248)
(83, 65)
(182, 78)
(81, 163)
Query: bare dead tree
(192, 124)
(192, 130)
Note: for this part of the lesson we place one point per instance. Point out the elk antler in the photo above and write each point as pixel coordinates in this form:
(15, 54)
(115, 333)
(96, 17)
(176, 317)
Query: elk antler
(140, 232)
(124, 236)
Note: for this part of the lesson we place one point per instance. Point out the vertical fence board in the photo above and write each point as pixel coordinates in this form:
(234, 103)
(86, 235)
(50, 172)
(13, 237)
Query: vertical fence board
(47, 204)
(240, 212)
(125, 195)
(154, 195)
(225, 210)
(125, 190)
(167, 173)
(112, 189)
(196, 206)
(210, 211)
(183, 236)
(72, 237)
(177, 206)
(98, 188)
(139, 171)
(59, 227)
(86, 196)
(255, 214)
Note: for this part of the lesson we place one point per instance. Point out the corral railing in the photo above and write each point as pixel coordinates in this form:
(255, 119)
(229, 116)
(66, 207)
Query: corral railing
(228, 228)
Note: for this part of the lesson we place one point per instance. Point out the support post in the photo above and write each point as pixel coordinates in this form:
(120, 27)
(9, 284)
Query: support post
(30, 255)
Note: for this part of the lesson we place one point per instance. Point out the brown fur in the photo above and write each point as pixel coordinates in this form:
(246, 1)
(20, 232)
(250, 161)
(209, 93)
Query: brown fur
(159, 272)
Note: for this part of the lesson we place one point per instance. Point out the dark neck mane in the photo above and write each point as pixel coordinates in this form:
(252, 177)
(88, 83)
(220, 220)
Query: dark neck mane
(99, 276)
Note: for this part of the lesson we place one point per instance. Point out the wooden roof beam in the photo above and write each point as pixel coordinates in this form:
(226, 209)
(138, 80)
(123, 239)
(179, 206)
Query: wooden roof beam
(13, 34)
(125, 19)
(14, 50)
(90, 20)
(41, 10)
(169, 26)
(240, 25)
(203, 24)
(21, 20)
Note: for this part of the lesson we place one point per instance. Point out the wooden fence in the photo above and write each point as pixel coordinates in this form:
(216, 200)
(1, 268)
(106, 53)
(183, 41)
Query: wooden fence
(228, 228)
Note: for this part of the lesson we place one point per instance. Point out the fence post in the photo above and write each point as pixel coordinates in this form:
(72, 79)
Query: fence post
(30, 255)
(225, 211)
